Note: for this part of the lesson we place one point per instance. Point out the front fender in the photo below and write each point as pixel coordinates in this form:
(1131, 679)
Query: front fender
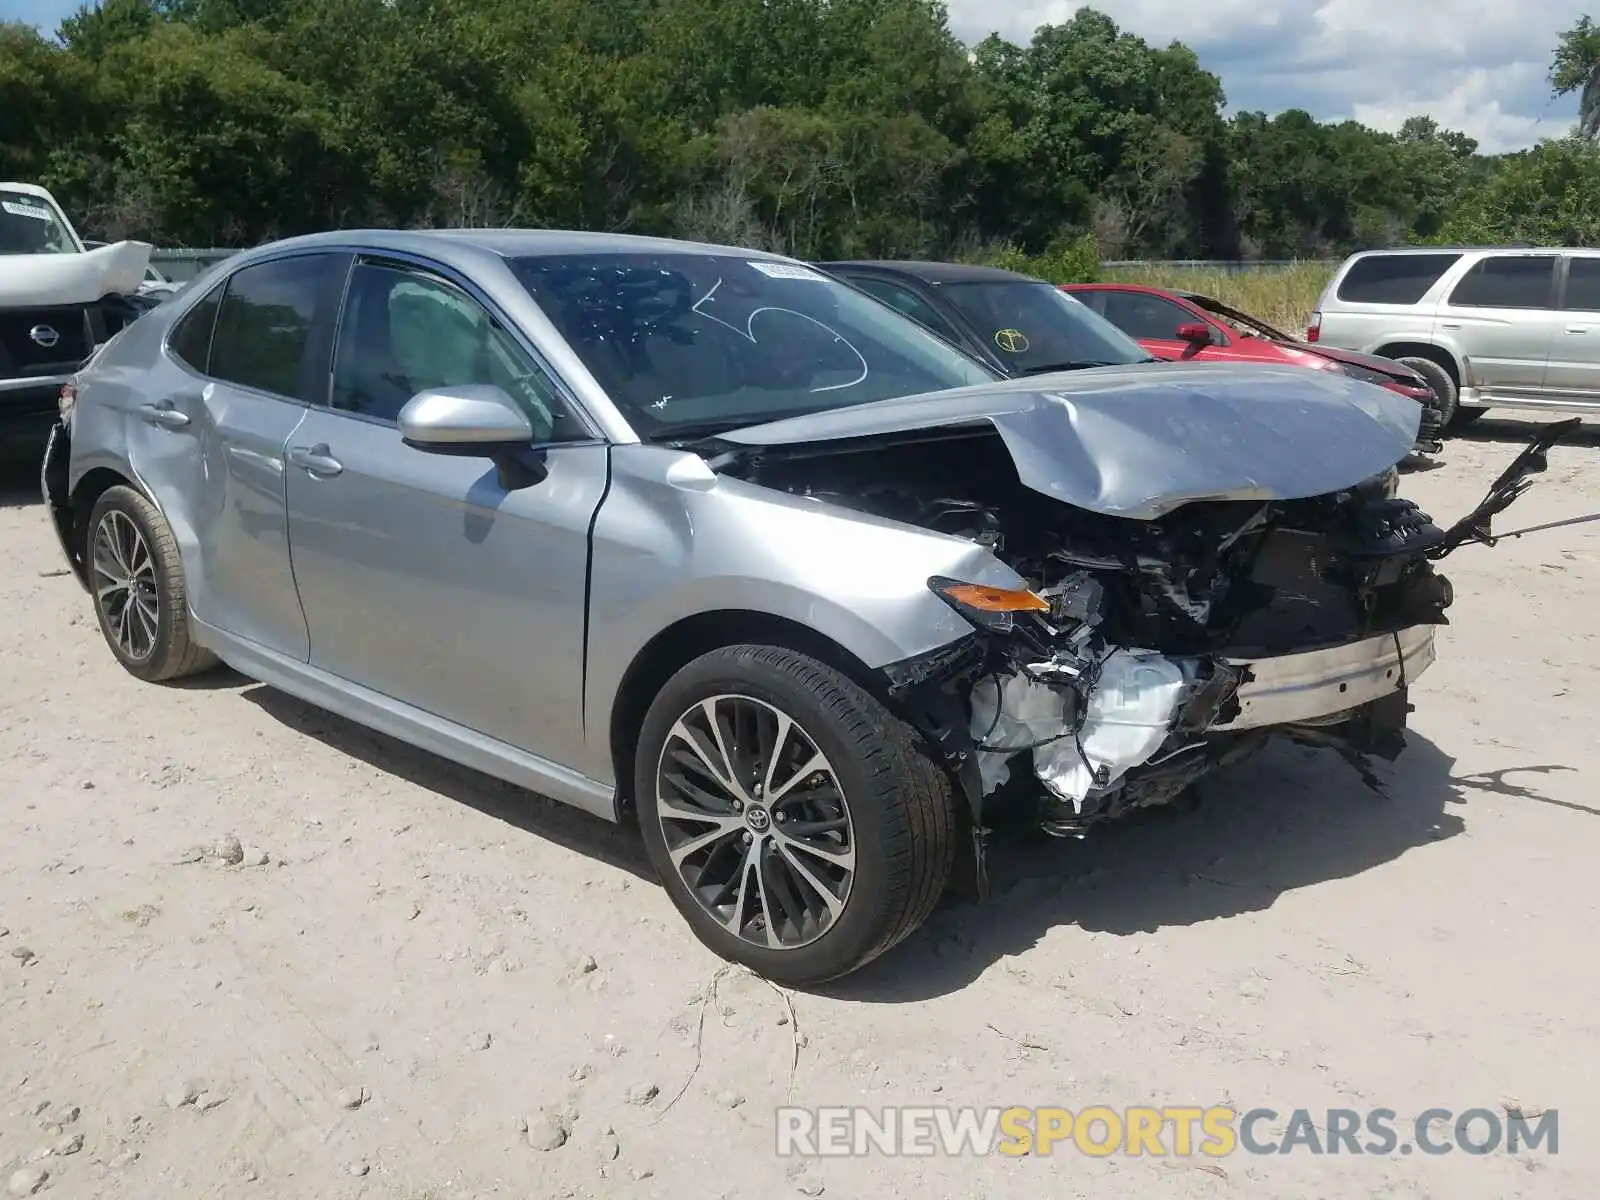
(673, 540)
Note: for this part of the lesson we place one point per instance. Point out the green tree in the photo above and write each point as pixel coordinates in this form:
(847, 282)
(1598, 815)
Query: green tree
(1092, 109)
(1548, 196)
(1575, 67)
(821, 127)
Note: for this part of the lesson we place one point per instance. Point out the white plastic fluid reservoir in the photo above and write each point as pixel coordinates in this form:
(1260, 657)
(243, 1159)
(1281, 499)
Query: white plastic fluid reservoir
(1127, 718)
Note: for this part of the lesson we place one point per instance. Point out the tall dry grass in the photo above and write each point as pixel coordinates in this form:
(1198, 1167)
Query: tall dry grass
(1280, 296)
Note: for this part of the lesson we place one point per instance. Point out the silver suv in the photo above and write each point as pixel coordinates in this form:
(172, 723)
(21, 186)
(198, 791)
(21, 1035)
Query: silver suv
(1487, 328)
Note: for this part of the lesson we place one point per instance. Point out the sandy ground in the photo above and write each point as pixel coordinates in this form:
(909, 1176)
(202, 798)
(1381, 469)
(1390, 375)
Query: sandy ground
(431, 957)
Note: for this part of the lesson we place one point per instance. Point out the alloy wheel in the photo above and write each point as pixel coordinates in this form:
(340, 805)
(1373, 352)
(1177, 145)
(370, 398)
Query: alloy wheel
(755, 821)
(124, 579)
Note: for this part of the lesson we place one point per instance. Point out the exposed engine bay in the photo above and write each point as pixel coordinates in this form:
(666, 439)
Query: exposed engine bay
(1151, 652)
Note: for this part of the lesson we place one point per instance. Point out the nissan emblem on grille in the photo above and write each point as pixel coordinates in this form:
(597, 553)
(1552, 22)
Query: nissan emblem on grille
(44, 335)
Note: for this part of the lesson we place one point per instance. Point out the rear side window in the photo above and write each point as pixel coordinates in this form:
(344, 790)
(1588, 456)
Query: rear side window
(264, 324)
(1508, 281)
(1394, 278)
(190, 341)
(1583, 284)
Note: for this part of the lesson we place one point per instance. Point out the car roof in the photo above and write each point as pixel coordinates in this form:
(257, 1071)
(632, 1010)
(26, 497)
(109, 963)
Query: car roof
(506, 243)
(28, 189)
(1503, 247)
(934, 272)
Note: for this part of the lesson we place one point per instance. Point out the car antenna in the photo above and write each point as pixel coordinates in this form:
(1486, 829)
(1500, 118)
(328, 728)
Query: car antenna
(1516, 533)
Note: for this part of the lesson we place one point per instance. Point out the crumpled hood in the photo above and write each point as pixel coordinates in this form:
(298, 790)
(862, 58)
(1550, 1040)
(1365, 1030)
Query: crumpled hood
(1355, 358)
(44, 279)
(1140, 441)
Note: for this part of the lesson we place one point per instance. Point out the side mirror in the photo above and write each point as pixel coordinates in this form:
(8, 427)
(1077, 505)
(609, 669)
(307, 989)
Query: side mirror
(1195, 332)
(477, 420)
(474, 421)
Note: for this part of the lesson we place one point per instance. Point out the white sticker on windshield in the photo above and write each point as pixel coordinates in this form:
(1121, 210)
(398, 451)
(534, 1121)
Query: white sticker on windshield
(20, 208)
(781, 270)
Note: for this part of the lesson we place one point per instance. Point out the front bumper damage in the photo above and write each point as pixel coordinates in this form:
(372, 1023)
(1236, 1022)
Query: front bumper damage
(1048, 706)
(1088, 738)
(1091, 726)
(1299, 689)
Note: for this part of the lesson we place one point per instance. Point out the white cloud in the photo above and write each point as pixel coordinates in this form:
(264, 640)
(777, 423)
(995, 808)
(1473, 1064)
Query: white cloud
(1477, 103)
(1474, 65)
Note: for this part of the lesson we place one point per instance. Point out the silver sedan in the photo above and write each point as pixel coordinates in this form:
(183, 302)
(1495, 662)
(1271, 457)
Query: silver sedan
(705, 538)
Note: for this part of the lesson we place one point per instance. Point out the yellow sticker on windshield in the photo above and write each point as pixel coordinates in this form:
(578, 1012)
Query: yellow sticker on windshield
(1012, 341)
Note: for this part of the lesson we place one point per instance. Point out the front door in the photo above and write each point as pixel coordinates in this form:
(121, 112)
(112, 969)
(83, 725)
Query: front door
(421, 576)
(1153, 322)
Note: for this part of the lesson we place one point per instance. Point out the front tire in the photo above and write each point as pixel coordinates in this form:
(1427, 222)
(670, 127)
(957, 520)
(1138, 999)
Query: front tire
(799, 827)
(136, 579)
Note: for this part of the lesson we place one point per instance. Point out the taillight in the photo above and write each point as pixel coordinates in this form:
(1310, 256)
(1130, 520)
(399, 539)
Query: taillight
(66, 398)
(1314, 329)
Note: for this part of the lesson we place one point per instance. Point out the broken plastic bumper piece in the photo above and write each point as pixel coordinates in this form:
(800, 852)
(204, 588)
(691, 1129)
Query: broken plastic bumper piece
(1298, 689)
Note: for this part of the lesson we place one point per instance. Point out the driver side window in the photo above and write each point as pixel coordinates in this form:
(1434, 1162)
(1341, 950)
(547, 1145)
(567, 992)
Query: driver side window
(912, 305)
(1147, 318)
(405, 331)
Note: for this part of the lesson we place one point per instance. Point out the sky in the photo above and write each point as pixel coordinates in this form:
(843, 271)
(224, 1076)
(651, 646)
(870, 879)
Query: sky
(1474, 65)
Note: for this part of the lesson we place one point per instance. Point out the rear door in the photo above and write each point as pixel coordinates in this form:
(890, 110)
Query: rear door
(247, 352)
(1573, 373)
(422, 576)
(1501, 317)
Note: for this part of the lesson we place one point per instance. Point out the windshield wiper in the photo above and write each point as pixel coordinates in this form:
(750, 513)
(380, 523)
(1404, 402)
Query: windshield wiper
(1078, 364)
(683, 437)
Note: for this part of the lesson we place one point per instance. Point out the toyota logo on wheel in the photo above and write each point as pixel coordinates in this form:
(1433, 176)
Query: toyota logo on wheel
(43, 336)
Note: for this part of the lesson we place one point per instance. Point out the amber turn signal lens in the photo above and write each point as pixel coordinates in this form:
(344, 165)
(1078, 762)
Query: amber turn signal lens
(993, 599)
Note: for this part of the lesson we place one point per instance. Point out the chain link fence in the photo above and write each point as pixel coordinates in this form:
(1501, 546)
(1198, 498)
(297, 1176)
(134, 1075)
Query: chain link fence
(180, 265)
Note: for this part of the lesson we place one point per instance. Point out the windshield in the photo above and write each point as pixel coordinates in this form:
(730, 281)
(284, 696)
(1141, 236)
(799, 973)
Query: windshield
(1035, 327)
(29, 225)
(692, 344)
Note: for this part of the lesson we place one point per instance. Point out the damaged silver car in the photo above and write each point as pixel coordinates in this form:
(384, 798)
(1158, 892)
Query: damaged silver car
(703, 538)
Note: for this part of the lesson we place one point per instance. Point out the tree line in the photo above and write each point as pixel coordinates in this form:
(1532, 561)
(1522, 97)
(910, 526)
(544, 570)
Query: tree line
(822, 128)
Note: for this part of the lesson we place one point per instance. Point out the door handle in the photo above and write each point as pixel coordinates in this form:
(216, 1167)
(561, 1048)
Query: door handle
(1577, 329)
(316, 460)
(1450, 324)
(164, 414)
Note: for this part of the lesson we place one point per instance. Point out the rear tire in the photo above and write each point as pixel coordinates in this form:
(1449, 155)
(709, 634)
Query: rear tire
(837, 836)
(136, 578)
(1445, 392)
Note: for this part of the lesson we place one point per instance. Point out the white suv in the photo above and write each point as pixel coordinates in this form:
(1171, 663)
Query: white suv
(1487, 328)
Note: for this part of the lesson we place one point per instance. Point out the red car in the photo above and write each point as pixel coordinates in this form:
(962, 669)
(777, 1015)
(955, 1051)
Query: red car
(1186, 326)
